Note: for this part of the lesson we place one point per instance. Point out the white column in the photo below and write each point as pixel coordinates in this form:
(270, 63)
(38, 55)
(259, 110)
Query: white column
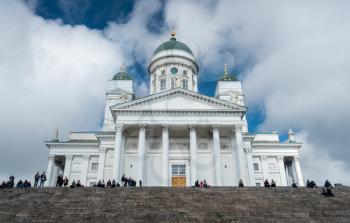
(68, 166)
(298, 171)
(193, 151)
(142, 152)
(250, 166)
(165, 155)
(265, 168)
(117, 151)
(54, 174)
(240, 153)
(282, 170)
(217, 155)
(49, 170)
(101, 163)
(84, 169)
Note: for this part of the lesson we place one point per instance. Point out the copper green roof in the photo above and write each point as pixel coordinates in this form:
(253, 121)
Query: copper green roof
(173, 44)
(226, 76)
(122, 75)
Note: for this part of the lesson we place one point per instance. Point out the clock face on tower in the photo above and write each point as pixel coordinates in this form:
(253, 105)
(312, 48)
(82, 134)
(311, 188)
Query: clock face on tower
(173, 70)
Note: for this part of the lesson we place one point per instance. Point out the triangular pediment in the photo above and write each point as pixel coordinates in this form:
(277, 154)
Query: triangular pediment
(179, 99)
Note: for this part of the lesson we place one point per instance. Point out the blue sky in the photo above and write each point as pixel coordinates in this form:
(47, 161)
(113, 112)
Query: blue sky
(292, 58)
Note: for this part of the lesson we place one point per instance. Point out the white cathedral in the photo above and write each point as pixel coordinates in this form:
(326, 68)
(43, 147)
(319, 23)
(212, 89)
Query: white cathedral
(175, 135)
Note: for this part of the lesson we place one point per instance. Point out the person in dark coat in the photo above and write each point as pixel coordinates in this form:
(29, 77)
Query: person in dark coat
(240, 183)
(273, 183)
(328, 184)
(113, 184)
(196, 184)
(42, 179)
(36, 179)
(73, 184)
(266, 183)
(78, 184)
(109, 183)
(294, 185)
(140, 183)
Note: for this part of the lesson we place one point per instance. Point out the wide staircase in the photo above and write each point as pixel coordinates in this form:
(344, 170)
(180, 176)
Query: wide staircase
(156, 204)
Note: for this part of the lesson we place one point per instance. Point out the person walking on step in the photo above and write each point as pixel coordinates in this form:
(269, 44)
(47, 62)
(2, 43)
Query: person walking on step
(328, 184)
(65, 182)
(36, 179)
(42, 179)
(140, 183)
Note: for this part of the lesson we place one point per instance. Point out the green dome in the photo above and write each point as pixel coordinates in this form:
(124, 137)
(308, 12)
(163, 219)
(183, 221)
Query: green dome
(173, 44)
(122, 75)
(226, 76)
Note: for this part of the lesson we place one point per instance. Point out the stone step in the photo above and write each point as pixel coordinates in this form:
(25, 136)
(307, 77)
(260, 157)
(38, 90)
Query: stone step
(160, 204)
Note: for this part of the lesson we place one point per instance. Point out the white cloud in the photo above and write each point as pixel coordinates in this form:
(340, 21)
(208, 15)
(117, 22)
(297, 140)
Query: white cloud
(52, 75)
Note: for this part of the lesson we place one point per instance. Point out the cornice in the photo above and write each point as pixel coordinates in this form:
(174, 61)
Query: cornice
(230, 106)
(257, 145)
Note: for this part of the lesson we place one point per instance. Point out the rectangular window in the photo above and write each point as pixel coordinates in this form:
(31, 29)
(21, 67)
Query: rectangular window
(256, 167)
(184, 72)
(178, 170)
(94, 166)
(184, 84)
(162, 84)
(162, 72)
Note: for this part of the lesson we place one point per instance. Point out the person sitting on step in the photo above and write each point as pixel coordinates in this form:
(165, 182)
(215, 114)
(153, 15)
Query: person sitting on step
(73, 184)
(196, 184)
(240, 183)
(109, 183)
(113, 183)
(205, 183)
(294, 185)
(266, 183)
(78, 184)
(273, 183)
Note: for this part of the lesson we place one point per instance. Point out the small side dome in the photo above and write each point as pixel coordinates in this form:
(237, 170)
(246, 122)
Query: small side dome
(226, 76)
(122, 75)
(173, 44)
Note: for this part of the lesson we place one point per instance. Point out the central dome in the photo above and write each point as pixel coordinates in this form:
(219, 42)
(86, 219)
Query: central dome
(173, 44)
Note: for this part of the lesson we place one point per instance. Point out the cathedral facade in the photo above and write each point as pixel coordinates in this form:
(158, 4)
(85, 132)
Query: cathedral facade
(175, 135)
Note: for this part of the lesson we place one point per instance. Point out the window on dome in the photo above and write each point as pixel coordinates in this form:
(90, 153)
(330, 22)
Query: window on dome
(184, 84)
(184, 72)
(162, 84)
(162, 72)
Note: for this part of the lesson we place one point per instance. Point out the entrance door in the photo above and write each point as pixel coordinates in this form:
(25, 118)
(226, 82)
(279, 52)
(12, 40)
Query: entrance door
(178, 178)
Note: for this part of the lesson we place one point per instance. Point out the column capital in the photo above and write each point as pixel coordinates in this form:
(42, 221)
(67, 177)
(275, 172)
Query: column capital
(215, 127)
(51, 157)
(192, 127)
(280, 158)
(165, 127)
(248, 150)
(102, 150)
(296, 158)
(69, 157)
(263, 158)
(142, 126)
(86, 156)
(119, 127)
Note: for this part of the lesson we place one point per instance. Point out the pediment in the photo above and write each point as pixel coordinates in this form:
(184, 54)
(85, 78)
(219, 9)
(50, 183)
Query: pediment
(179, 99)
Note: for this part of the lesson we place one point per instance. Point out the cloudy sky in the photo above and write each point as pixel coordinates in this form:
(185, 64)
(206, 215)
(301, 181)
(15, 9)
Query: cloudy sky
(293, 58)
